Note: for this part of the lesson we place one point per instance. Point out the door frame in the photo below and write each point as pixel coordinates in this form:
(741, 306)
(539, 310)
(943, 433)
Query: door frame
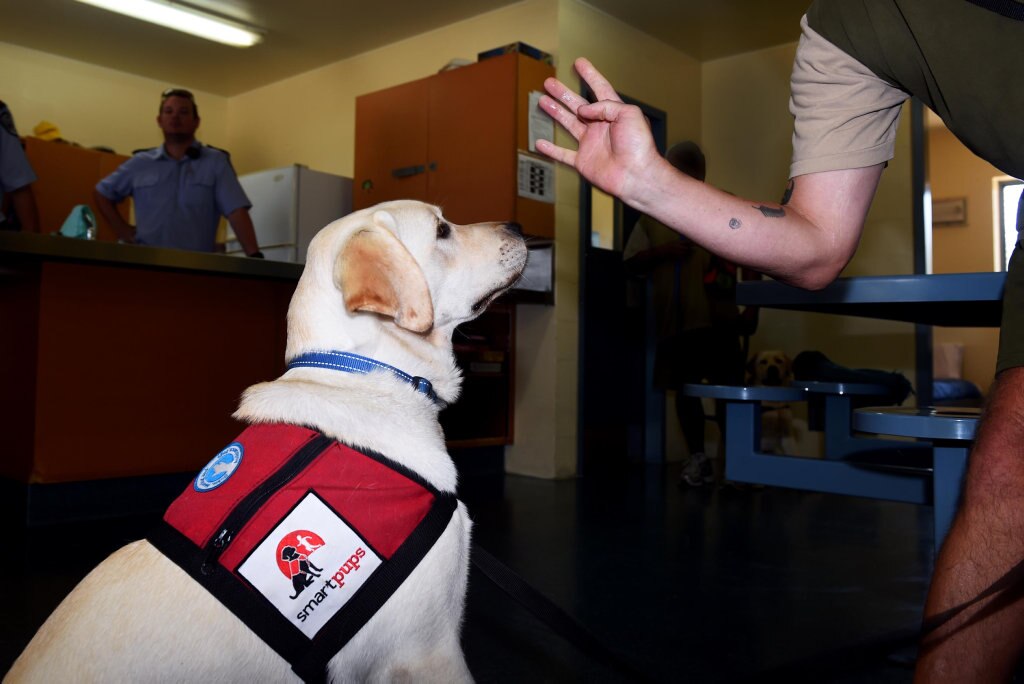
(654, 400)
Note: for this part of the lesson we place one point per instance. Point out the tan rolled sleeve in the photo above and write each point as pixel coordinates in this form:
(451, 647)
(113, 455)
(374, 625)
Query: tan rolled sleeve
(845, 117)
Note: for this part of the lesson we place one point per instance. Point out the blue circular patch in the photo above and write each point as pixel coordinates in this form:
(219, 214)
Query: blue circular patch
(220, 468)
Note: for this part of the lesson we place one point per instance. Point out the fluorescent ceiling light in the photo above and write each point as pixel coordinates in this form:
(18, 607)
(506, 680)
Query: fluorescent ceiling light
(175, 16)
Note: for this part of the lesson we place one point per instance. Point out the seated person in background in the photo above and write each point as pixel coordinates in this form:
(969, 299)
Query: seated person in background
(16, 179)
(697, 321)
(181, 189)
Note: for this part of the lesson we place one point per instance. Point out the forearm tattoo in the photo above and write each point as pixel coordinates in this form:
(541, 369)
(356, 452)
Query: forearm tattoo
(771, 212)
(789, 191)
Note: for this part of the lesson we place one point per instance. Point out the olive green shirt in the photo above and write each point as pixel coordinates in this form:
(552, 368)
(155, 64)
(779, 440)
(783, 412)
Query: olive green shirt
(858, 60)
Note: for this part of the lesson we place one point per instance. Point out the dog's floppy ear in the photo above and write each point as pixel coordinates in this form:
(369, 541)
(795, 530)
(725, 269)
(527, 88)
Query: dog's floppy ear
(377, 273)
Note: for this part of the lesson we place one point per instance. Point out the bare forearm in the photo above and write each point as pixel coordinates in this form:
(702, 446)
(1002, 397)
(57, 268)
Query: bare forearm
(772, 239)
(793, 243)
(241, 224)
(125, 231)
(25, 207)
(807, 242)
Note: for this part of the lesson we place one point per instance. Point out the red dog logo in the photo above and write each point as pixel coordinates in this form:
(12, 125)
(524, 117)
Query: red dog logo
(293, 552)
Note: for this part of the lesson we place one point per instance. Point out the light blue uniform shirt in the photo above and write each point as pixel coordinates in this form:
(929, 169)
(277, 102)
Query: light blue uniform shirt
(178, 203)
(15, 171)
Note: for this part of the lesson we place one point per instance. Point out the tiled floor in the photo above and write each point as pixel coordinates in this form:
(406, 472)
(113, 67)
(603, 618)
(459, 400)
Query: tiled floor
(701, 585)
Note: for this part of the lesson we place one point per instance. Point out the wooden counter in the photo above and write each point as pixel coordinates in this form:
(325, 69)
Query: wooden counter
(120, 367)
(120, 361)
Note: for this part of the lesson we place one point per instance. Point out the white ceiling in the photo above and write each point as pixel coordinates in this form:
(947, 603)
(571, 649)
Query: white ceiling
(304, 34)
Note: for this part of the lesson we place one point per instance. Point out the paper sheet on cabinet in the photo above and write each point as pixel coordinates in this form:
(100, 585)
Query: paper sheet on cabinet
(541, 126)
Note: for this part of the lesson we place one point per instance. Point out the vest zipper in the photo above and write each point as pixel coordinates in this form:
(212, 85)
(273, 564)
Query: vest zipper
(251, 503)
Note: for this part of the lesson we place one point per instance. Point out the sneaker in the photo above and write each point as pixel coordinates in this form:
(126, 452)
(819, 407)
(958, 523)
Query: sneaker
(691, 474)
(707, 473)
(697, 470)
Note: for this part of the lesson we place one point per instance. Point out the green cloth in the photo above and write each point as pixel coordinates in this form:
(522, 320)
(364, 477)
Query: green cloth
(966, 63)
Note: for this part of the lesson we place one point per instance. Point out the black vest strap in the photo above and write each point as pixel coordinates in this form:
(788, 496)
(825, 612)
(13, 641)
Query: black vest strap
(308, 658)
(312, 664)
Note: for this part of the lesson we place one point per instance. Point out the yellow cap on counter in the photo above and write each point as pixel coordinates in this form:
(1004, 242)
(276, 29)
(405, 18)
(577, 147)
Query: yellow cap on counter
(46, 130)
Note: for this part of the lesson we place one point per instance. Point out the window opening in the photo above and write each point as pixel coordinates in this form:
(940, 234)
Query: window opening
(1009, 200)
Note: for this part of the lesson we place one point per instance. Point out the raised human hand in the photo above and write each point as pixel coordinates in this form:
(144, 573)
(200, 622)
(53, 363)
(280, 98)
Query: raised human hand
(615, 143)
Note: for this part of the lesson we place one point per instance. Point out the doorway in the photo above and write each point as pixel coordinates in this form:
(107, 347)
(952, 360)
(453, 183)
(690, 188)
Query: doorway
(621, 416)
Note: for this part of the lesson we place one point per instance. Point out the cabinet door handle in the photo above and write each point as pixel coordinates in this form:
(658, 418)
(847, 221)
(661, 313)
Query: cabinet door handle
(406, 171)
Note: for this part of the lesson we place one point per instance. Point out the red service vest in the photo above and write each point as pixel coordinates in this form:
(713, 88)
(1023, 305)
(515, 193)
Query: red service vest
(302, 537)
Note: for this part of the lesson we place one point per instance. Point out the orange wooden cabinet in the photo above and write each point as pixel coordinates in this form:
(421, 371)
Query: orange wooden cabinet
(454, 139)
(67, 175)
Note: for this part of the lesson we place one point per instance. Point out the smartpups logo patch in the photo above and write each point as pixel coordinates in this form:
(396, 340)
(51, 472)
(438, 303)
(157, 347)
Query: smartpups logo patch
(310, 565)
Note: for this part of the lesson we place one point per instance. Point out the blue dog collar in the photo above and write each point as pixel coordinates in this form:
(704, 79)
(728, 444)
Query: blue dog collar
(354, 363)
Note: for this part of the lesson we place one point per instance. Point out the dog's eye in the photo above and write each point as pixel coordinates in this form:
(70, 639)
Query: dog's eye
(443, 230)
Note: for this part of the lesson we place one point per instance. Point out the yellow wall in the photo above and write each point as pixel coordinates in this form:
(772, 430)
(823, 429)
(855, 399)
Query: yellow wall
(310, 118)
(646, 70)
(955, 171)
(747, 139)
(92, 105)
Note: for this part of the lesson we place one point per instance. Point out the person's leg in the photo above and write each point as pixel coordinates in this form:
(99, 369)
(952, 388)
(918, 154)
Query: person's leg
(690, 412)
(983, 643)
(726, 366)
(691, 359)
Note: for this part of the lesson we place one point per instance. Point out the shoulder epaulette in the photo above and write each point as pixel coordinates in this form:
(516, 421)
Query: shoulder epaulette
(225, 152)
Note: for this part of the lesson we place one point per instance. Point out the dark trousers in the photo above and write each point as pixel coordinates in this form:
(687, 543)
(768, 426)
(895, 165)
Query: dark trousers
(711, 354)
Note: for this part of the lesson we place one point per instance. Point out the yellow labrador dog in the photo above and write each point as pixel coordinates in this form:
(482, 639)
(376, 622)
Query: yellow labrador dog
(774, 368)
(389, 283)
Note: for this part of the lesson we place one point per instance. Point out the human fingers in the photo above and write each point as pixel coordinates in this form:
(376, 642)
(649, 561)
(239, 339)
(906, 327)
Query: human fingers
(559, 154)
(563, 94)
(607, 110)
(566, 118)
(603, 90)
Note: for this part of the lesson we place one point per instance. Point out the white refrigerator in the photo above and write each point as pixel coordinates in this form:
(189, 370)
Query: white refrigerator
(289, 206)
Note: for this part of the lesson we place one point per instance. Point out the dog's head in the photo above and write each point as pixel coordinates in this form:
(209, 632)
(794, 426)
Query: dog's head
(393, 281)
(771, 367)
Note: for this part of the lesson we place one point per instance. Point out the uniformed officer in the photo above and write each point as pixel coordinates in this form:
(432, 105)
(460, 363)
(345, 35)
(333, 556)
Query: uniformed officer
(16, 177)
(181, 189)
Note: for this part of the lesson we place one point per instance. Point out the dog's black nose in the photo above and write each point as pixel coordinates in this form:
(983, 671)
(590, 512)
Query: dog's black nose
(514, 227)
